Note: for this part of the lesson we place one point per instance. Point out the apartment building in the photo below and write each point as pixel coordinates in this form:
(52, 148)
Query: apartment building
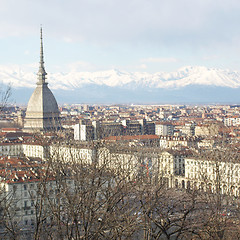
(231, 121)
(174, 141)
(164, 129)
(27, 191)
(76, 153)
(211, 176)
(8, 148)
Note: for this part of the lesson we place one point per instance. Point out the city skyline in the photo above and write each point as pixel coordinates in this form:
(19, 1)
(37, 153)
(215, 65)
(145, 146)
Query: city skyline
(137, 135)
(137, 36)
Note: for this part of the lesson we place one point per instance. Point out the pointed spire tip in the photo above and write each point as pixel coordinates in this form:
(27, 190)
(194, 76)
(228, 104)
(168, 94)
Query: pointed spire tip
(41, 72)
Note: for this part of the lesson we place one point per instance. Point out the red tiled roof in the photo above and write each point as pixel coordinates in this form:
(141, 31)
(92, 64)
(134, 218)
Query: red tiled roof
(11, 130)
(17, 170)
(10, 143)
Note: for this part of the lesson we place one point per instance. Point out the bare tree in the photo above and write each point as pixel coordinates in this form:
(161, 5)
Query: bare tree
(5, 94)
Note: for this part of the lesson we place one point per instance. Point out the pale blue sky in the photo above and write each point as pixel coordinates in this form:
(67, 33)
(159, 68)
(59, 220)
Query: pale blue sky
(131, 35)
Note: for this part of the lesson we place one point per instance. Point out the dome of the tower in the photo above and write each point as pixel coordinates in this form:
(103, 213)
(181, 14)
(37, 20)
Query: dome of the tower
(42, 101)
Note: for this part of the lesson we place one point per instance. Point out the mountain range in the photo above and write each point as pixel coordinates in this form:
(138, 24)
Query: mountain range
(186, 85)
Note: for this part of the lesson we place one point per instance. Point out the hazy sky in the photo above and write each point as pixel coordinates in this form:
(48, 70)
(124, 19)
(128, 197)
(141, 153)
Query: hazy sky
(131, 35)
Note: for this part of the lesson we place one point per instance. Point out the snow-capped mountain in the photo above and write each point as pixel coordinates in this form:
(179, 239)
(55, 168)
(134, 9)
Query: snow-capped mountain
(186, 85)
(183, 77)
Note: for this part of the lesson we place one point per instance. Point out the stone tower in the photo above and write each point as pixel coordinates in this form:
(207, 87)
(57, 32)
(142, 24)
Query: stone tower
(42, 111)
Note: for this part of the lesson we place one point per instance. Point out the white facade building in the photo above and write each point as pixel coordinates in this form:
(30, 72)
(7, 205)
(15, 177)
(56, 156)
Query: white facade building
(174, 141)
(11, 149)
(80, 132)
(164, 129)
(78, 153)
(231, 121)
(36, 150)
(212, 175)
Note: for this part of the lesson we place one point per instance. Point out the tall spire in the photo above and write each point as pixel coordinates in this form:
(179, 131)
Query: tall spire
(41, 72)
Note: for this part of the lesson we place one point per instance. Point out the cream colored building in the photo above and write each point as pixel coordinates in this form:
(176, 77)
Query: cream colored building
(212, 176)
(169, 142)
(206, 143)
(202, 130)
(231, 121)
(207, 130)
(123, 161)
(77, 153)
(24, 149)
(155, 164)
(36, 150)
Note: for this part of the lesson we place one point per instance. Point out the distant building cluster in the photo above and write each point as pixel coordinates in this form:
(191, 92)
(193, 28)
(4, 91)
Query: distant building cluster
(87, 131)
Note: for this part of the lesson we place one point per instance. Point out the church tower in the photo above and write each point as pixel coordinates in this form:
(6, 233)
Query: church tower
(42, 110)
